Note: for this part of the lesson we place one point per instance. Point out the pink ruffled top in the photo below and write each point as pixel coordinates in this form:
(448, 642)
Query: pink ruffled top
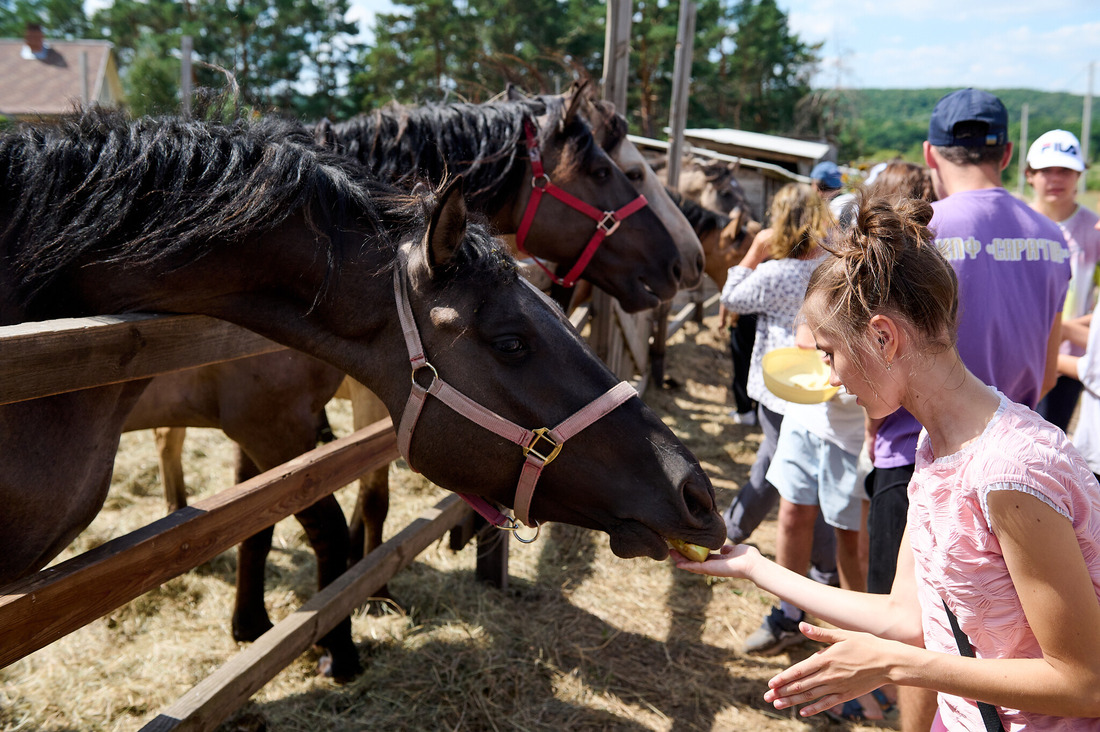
(959, 560)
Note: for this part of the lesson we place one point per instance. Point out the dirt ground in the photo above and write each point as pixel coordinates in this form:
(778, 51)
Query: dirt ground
(579, 640)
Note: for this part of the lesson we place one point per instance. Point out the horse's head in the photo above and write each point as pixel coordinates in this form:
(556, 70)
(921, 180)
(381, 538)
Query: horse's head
(639, 261)
(610, 130)
(487, 334)
(714, 185)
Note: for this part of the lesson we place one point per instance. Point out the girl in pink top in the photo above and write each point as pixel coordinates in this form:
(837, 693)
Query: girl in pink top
(1004, 517)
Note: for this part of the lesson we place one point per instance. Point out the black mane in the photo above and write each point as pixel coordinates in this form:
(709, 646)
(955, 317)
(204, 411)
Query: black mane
(482, 142)
(102, 187)
(702, 220)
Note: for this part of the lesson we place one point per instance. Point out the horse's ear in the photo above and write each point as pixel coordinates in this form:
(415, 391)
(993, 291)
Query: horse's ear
(448, 224)
(513, 94)
(576, 99)
(324, 134)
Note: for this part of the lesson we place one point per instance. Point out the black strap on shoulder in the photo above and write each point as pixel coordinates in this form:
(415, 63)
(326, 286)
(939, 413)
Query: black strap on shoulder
(989, 713)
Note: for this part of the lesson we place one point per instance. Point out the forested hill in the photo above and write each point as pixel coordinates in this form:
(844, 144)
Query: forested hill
(897, 119)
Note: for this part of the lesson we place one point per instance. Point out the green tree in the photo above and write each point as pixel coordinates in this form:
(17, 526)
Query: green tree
(59, 18)
(273, 48)
(429, 50)
(769, 70)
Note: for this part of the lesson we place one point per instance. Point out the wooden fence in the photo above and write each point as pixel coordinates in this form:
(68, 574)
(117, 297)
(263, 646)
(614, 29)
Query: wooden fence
(42, 359)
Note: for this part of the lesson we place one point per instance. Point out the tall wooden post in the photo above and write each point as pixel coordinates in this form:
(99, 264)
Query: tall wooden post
(604, 339)
(185, 77)
(681, 83)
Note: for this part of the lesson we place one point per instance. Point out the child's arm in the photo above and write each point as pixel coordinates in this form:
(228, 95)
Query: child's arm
(896, 615)
(1059, 601)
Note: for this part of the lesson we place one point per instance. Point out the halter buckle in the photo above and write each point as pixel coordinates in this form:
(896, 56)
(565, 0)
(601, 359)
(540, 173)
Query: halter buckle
(543, 433)
(609, 223)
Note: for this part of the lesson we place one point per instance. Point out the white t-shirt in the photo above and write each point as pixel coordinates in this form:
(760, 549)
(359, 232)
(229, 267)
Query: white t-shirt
(839, 420)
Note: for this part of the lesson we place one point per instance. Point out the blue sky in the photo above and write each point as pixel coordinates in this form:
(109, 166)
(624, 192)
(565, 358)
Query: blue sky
(994, 44)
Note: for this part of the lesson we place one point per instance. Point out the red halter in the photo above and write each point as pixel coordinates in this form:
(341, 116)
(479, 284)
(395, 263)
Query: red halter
(606, 221)
(540, 446)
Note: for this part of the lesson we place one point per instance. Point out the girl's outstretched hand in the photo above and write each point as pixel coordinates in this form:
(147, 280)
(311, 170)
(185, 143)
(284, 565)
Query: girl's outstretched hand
(854, 664)
(729, 561)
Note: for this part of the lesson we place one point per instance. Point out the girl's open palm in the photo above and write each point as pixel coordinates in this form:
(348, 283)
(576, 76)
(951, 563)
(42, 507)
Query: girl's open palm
(854, 664)
(729, 561)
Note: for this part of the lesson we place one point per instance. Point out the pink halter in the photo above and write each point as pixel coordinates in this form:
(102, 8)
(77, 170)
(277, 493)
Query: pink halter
(540, 446)
(606, 221)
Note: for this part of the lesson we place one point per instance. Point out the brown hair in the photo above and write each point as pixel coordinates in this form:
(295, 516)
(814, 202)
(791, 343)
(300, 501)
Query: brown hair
(900, 178)
(799, 219)
(885, 263)
(962, 155)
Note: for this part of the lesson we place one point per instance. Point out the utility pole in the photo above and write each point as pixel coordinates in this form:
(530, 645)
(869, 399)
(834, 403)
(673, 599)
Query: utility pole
(1086, 127)
(1022, 156)
(185, 77)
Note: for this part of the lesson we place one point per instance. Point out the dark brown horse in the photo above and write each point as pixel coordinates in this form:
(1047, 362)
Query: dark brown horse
(106, 215)
(254, 400)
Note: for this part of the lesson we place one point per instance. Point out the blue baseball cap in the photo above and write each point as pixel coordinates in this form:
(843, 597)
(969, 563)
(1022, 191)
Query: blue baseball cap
(985, 117)
(828, 173)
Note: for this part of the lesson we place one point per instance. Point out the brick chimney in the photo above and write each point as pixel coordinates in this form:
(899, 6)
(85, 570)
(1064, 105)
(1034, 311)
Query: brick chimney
(34, 38)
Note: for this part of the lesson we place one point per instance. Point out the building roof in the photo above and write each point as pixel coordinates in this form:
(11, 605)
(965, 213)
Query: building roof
(759, 146)
(53, 86)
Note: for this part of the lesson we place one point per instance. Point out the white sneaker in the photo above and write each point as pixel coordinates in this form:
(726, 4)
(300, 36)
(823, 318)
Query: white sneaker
(746, 418)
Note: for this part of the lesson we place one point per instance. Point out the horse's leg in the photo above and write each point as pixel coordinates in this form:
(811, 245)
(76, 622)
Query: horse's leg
(170, 456)
(373, 501)
(659, 345)
(326, 530)
(250, 619)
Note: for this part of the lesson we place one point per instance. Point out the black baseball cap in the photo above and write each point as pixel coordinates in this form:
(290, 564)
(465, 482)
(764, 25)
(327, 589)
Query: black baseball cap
(970, 118)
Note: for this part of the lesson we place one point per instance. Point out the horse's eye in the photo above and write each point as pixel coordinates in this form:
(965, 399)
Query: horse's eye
(602, 173)
(510, 346)
(635, 175)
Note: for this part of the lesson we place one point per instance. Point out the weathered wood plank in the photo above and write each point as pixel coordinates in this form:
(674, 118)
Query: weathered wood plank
(38, 610)
(55, 356)
(217, 696)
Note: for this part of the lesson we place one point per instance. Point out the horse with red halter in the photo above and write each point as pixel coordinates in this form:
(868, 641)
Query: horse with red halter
(592, 223)
(101, 214)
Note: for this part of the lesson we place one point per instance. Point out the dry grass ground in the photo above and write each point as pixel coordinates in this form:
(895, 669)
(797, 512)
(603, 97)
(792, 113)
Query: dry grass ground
(580, 640)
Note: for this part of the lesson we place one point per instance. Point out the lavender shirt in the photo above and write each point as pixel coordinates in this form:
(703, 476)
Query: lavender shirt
(1013, 267)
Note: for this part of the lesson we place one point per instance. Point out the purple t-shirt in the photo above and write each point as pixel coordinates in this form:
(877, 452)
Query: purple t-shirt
(1013, 267)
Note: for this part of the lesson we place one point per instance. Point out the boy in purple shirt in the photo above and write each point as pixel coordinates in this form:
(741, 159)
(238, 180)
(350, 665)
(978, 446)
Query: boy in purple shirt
(1013, 267)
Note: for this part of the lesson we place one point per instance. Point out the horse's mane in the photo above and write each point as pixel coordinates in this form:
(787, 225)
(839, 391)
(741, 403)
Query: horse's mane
(479, 141)
(702, 219)
(100, 186)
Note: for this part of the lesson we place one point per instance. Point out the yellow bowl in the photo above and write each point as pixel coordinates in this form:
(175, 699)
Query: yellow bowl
(797, 375)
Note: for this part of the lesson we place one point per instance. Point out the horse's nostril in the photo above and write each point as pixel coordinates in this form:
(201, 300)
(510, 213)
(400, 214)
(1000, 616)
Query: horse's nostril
(677, 270)
(698, 496)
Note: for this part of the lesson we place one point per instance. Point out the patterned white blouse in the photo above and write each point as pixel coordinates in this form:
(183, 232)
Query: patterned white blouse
(774, 291)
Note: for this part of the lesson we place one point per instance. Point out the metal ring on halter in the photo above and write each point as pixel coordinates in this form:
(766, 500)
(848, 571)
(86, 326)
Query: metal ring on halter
(544, 178)
(609, 223)
(425, 365)
(514, 526)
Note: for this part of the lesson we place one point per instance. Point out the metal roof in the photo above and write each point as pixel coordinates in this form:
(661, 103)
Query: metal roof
(758, 145)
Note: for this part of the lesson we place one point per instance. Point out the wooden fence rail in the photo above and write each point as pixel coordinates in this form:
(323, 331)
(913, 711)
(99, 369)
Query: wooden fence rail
(38, 610)
(42, 359)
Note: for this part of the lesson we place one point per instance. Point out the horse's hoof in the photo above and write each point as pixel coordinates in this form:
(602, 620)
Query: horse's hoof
(342, 670)
(246, 632)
